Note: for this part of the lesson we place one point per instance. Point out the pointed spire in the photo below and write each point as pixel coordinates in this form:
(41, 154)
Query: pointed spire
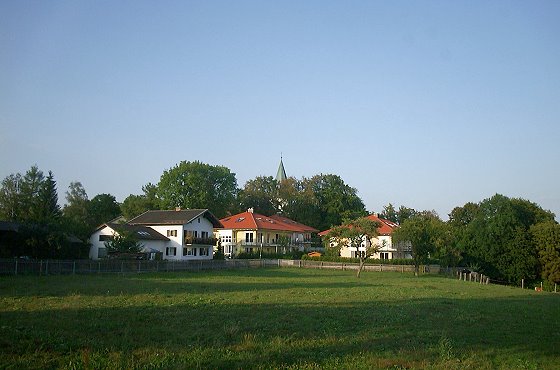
(281, 174)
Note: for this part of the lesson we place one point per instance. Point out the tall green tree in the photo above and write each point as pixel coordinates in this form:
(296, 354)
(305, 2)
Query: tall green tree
(10, 198)
(261, 194)
(546, 236)
(102, 208)
(426, 234)
(496, 237)
(31, 185)
(135, 205)
(48, 210)
(75, 213)
(360, 235)
(198, 185)
(389, 213)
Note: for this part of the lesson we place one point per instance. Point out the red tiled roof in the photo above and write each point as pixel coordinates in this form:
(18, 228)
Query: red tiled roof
(387, 227)
(255, 221)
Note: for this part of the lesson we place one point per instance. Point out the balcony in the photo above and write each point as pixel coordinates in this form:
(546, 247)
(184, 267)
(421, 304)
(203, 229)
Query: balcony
(190, 240)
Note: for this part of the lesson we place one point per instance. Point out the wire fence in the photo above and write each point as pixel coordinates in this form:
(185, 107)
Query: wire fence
(58, 267)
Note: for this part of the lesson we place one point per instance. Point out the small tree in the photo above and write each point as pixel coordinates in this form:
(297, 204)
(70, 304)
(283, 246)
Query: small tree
(358, 234)
(123, 242)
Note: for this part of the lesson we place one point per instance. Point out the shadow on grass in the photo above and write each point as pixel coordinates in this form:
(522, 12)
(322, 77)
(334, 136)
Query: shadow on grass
(223, 335)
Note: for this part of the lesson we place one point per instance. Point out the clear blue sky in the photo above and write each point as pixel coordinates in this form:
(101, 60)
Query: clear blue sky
(428, 104)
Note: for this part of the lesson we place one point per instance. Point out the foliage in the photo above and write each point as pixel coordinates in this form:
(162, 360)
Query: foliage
(292, 255)
(135, 205)
(123, 241)
(425, 232)
(399, 216)
(10, 198)
(261, 194)
(102, 208)
(198, 185)
(546, 236)
(359, 235)
(47, 208)
(369, 261)
(495, 236)
(273, 318)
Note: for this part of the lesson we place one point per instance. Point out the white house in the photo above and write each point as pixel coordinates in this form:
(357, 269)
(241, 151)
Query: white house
(387, 249)
(176, 235)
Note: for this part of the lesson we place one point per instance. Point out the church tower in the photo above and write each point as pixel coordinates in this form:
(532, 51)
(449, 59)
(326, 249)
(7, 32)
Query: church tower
(281, 174)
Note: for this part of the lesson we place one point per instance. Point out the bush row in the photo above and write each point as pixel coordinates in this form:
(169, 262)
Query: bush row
(370, 261)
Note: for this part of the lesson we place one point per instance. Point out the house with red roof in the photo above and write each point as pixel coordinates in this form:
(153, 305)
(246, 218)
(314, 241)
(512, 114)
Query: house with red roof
(251, 232)
(387, 249)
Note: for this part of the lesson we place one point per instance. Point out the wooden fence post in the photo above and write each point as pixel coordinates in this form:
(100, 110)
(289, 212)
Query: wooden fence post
(522, 283)
(15, 272)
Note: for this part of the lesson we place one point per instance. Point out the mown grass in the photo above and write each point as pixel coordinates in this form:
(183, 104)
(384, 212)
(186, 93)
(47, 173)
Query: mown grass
(274, 318)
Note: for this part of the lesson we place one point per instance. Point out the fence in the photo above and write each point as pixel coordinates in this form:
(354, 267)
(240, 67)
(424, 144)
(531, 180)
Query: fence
(57, 267)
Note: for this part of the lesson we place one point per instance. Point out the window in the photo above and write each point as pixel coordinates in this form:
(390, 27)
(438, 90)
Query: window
(203, 251)
(249, 237)
(171, 251)
(384, 255)
(204, 234)
(104, 238)
(171, 233)
(199, 220)
(102, 253)
(189, 251)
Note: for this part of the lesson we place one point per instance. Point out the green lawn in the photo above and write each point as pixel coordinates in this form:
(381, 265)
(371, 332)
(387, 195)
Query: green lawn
(274, 318)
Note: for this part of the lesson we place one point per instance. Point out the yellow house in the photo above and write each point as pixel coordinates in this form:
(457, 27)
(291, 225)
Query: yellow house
(251, 232)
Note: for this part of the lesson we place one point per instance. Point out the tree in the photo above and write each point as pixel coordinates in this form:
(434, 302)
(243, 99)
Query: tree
(48, 209)
(359, 234)
(10, 198)
(102, 208)
(496, 236)
(337, 201)
(546, 236)
(389, 213)
(75, 212)
(261, 194)
(76, 203)
(30, 186)
(134, 205)
(198, 185)
(424, 232)
(123, 242)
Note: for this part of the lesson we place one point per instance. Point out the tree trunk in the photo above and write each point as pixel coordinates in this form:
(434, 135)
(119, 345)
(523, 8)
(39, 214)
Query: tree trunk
(362, 262)
(416, 269)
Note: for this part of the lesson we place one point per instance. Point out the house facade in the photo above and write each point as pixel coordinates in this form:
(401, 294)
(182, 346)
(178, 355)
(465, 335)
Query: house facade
(251, 232)
(173, 235)
(387, 249)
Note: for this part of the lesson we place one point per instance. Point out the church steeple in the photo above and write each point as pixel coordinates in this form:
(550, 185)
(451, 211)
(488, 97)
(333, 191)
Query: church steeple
(281, 174)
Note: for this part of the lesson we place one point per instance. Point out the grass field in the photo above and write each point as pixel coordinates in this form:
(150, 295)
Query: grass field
(274, 318)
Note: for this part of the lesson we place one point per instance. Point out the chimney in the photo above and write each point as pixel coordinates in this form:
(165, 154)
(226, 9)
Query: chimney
(177, 209)
(250, 210)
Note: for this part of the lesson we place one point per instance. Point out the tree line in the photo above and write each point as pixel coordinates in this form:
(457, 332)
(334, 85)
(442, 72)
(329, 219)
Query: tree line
(505, 238)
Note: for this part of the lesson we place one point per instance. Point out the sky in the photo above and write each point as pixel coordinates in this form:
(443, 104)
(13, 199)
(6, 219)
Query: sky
(426, 104)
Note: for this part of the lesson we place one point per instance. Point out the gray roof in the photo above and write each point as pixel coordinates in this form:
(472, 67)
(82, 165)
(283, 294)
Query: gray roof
(177, 217)
(140, 231)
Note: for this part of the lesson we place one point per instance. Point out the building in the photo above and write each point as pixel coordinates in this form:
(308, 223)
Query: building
(173, 235)
(387, 249)
(251, 232)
